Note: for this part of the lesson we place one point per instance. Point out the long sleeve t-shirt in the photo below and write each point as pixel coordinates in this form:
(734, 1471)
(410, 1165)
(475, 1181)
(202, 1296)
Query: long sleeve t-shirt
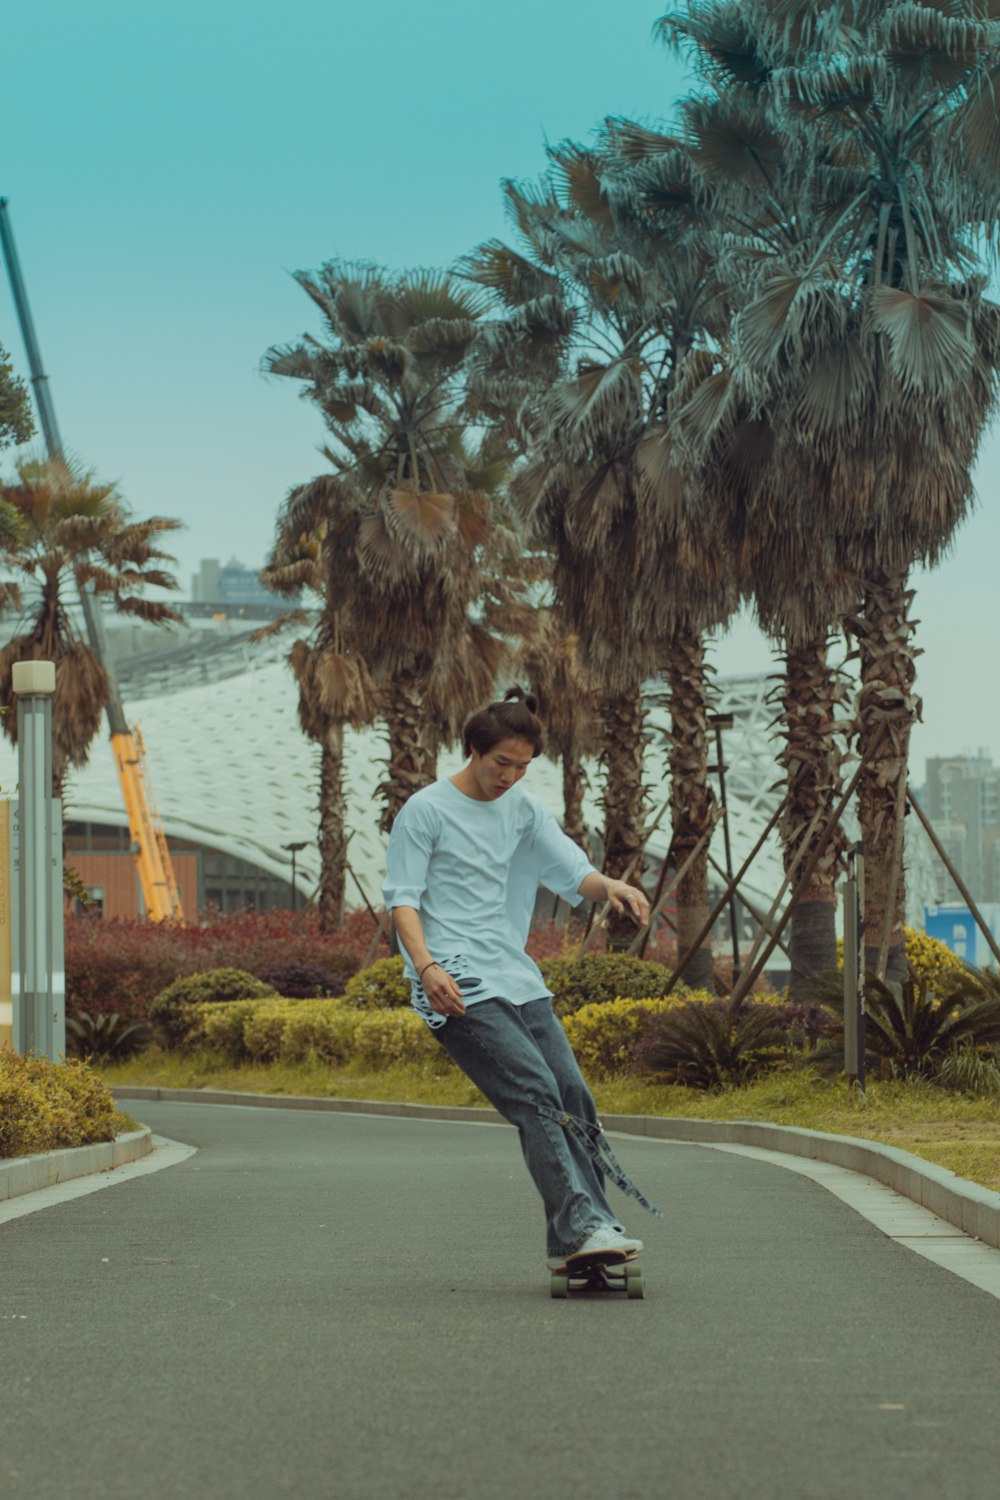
(472, 871)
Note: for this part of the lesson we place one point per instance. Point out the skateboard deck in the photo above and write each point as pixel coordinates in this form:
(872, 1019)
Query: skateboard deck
(599, 1271)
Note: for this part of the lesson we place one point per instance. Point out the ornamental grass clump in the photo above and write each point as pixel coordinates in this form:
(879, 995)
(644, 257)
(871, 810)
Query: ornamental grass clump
(910, 1031)
(47, 1106)
(715, 1045)
(105, 1038)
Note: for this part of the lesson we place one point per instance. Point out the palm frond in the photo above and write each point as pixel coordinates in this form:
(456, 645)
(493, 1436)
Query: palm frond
(929, 337)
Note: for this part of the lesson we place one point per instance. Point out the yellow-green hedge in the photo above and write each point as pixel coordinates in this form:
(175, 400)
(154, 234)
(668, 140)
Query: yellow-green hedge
(47, 1106)
(333, 1031)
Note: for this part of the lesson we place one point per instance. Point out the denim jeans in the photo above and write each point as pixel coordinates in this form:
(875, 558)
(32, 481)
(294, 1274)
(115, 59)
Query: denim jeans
(519, 1057)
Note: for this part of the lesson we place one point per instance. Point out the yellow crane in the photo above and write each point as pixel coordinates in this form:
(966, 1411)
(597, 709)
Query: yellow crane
(160, 892)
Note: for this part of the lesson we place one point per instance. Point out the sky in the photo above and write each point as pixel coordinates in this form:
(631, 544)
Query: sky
(169, 165)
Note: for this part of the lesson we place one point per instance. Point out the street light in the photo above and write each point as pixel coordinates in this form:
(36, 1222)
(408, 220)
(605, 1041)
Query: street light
(719, 722)
(293, 849)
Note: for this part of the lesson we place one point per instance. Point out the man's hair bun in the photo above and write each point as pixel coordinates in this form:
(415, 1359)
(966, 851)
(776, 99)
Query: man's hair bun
(514, 717)
(518, 695)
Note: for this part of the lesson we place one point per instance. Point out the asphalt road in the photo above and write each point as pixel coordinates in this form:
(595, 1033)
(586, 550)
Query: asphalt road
(330, 1305)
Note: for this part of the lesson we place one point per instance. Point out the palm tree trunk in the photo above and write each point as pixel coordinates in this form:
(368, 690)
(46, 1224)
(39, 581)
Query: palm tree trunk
(623, 744)
(887, 711)
(812, 759)
(574, 780)
(409, 766)
(691, 798)
(332, 832)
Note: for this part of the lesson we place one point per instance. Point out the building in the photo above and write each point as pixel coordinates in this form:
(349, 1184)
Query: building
(961, 796)
(230, 588)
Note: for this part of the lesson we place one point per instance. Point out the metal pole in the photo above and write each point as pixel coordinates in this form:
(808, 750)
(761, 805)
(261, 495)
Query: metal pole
(720, 722)
(854, 966)
(293, 850)
(39, 1005)
(39, 379)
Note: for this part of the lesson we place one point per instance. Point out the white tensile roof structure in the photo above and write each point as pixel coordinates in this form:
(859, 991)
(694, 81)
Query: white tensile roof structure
(229, 768)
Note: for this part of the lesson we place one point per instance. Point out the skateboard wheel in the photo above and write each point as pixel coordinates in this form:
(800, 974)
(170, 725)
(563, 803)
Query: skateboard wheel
(634, 1285)
(560, 1286)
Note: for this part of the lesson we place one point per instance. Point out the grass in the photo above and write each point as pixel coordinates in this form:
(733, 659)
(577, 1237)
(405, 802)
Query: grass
(952, 1130)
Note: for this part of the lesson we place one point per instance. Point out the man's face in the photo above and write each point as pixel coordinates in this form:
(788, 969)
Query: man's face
(498, 770)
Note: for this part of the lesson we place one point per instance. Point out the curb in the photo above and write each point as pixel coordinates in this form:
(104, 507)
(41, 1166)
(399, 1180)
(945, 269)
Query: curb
(28, 1174)
(973, 1209)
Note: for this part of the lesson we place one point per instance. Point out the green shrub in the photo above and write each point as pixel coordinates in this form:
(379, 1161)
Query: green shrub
(292, 1031)
(170, 1011)
(218, 1025)
(321, 1029)
(598, 977)
(383, 986)
(933, 961)
(603, 1036)
(383, 1038)
(264, 1028)
(47, 1106)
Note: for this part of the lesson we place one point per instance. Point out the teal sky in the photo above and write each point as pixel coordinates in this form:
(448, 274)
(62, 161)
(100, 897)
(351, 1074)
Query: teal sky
(168, 166)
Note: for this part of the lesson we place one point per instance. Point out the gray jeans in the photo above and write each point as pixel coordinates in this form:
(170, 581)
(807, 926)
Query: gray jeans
(519, 1057)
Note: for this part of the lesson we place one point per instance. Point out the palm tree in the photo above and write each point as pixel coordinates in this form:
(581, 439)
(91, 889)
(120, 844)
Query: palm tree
(865, 327)
(315, 549)
(388, 377)
(569, 708)
(74, 532)
(593, 323)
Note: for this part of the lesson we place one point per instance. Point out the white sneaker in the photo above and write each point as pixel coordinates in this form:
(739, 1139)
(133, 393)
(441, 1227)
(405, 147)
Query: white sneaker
(607, 1237)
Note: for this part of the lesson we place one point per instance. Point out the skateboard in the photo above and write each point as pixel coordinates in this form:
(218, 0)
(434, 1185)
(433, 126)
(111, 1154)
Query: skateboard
(599, 1271)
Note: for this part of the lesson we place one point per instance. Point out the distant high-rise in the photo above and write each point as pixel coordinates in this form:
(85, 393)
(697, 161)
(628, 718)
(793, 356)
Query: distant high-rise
(961, 796)
(232, 585)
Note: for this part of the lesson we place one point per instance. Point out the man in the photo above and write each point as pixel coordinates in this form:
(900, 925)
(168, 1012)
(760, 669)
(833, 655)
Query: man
(465, 860)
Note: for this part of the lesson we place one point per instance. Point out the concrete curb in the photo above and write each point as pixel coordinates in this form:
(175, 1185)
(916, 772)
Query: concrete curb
(973, 1209)
(28, 1174)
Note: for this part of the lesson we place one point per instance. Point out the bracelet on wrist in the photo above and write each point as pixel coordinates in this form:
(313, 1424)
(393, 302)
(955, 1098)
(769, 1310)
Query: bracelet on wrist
(432, 965)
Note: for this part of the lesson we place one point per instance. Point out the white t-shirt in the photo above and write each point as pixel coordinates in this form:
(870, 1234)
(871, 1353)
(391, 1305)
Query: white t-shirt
(472, 871)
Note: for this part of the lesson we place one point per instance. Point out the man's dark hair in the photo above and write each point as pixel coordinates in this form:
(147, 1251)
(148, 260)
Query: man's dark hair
(515, 718)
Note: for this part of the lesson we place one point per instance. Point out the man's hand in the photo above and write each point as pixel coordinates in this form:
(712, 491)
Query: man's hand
(442, 992)
(628, 898)
(621, 897)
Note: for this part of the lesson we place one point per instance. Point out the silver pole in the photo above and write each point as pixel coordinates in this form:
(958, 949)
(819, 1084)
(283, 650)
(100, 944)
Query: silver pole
(39, 1004)
(854, 967)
